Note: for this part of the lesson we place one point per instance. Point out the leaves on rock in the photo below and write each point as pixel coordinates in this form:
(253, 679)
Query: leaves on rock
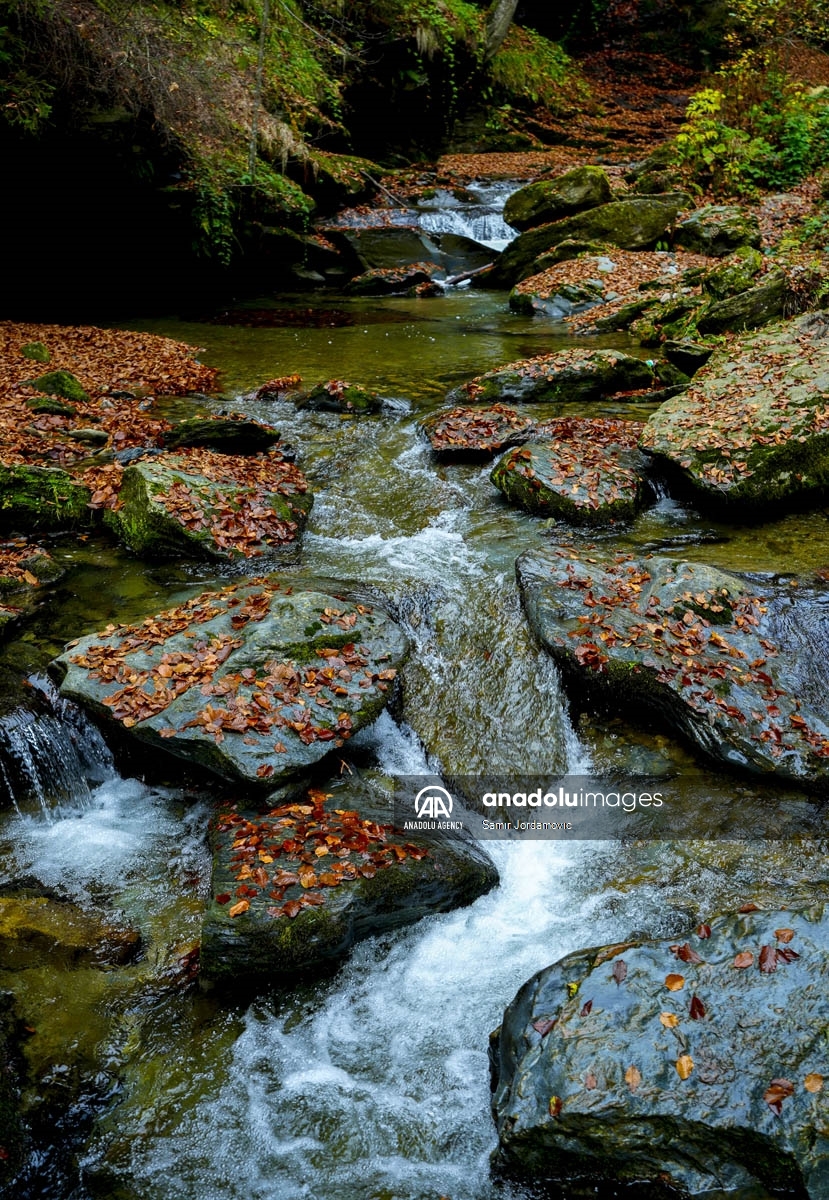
(778, 1091)
(674, 983)
(633, 1077)
(743, 959)
(684, 1066)
(620, 971)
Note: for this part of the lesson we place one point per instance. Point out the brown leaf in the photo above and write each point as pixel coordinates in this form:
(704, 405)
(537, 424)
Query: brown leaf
(633, 1077)
(620, 970)
(586, 1008)
(590, 1081)
(669, 1020)
(750, 907)
(768, 959)
(744, 959)
(237, 909)
(813, 1083)
(684, 1066)
(554, 1106)
(703, 931)
(784, 935)
(543, 1025)
(674, 983)
(778, 1091)
(697, 1009)
(686, 954)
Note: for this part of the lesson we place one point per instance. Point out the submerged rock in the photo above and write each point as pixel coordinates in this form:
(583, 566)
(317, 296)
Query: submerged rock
(751, 432)
(254, 683)
(695, 1066)
(630, 224)
(567, 375)
(391, 281)
(36, 931)
(475, 433)
(229, 435)
(207, 505)
(583, 470)
(733, 667)
(552, 199)
(295, 888)
(338, 396)
(718, 230)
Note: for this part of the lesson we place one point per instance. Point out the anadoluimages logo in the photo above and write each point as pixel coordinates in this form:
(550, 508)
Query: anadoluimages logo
(433, 802)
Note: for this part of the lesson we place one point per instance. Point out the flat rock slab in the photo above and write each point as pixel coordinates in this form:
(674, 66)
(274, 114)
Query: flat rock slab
(390, 281)
(295, 888)
(202, 504)
(736, 668)
(696, 1065)
(254, 682)
(476, 433)
(567, 375)
(583, 470)
(752, 430)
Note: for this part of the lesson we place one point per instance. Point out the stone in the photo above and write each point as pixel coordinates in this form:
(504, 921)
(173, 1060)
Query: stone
(385, 246)
(475, 434)
(338, 396)
(734, 274)
(726, 664)
(718, 230)
(233, 434)
(686, 356)
(61, 383)
(749, 309)
(601, 1070)
(36, 498)
(749, 436)
(245, 507)
(36, 931)
(552, 199)
(567, 375)
(254, 683)
(587, 471)
(36, 351)
(390, 281)
(13, 1139)
(298, 917)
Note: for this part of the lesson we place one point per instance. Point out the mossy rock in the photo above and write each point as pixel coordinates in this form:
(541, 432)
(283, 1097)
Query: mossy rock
(636, 224)
(718, 230)
(734, 275)
(391, 281)
(47, 404)
(552, 199)
(686, 356)
(36, 351)
(568, 375)
(35, 498)
(748, 310)
(61, 383)
(36, 931)
(565, 251)
(584, 471)
(340, 397)
(225, 434)
(255, 683)
(388, 879)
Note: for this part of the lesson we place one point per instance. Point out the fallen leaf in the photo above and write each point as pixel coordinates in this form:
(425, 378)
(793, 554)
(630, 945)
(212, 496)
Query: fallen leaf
(586, 1008)
(768, 959)
(238, 909)
(744, 959)
(684, 1066)
(784, 935)
(778, 1091)
(633, 1077)
(669, 1020)
(620, 970)
(543, 1025)
(674, 983)
(697, 1009)
(813, 1083)
(703, 931)
(554, 1106)
(590, 1081)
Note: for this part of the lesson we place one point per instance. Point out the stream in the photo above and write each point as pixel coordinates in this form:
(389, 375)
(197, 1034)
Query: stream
(372, 1084)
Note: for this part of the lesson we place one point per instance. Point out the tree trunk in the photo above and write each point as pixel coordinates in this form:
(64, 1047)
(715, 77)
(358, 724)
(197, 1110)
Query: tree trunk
(498, 21)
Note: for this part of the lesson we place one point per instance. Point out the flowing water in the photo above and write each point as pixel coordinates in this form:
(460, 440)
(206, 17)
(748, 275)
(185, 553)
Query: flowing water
(372, 1083)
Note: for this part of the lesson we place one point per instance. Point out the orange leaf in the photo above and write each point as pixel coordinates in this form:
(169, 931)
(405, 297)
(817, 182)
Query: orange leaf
(633, 1077)
(675, 983)
(744, 959)
(813, 1083)
(684, 1066)
(238, 909)
(669, 1020)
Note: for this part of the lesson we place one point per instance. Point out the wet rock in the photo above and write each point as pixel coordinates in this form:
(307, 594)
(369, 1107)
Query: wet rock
(12, 1134)
(708, 1082)
(188, 504)
(718, 230)
(41, 498)
(686, 356)
(735, 274)
(750, 433)
(586, 471)
(727, 664)
(230, 435)
(386, 246)
(390, 281)
(629, 224)
(475, 433)
(47, 404)
(88, 436)
(254, 683)
(750, 309)
(461, 253)
(61, 383)
(568, 375)
(338, 396)
(36, 931)
(552, 199)
(293, 890)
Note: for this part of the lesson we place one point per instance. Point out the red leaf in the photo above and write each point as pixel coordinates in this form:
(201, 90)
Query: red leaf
(697, 1008)
(768, 959)
(544, 1024)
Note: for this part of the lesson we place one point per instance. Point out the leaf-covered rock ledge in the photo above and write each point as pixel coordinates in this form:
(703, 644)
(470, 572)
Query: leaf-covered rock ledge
(736, 668)
(254, 683)
(695, 1065)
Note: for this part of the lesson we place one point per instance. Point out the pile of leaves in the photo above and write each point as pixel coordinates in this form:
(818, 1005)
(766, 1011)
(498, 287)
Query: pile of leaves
(277, 695)
(701, 644)
(525, 165)
(479, 431)
(579, 459)
(295, 853)
(632, 270)
(15, 563)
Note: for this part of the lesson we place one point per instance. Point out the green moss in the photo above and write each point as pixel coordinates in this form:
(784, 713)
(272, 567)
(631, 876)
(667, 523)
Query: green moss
(61, 383)
(39, 404)
(41, 498)
(35, 351)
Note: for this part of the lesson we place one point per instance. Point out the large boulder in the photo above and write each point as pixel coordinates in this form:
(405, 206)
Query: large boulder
(255, 682)
(583, 470)
(552, 199)
(293, 889)
(385, 246)
(690, 1066)
(203, 504)
(630, 224)
(392, 281)
(566, 375)
(475, 433)
(749, 309)
(339, 396)
(752, 430)
(41, 498)
(734, 274)
(727, 664)
(233, 434)
(718, 230)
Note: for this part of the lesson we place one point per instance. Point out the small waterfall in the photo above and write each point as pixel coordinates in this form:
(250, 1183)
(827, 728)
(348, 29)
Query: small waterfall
(50, 754)
(482, 219)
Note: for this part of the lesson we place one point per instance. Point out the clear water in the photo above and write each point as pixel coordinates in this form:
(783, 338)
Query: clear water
(374, 1083)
